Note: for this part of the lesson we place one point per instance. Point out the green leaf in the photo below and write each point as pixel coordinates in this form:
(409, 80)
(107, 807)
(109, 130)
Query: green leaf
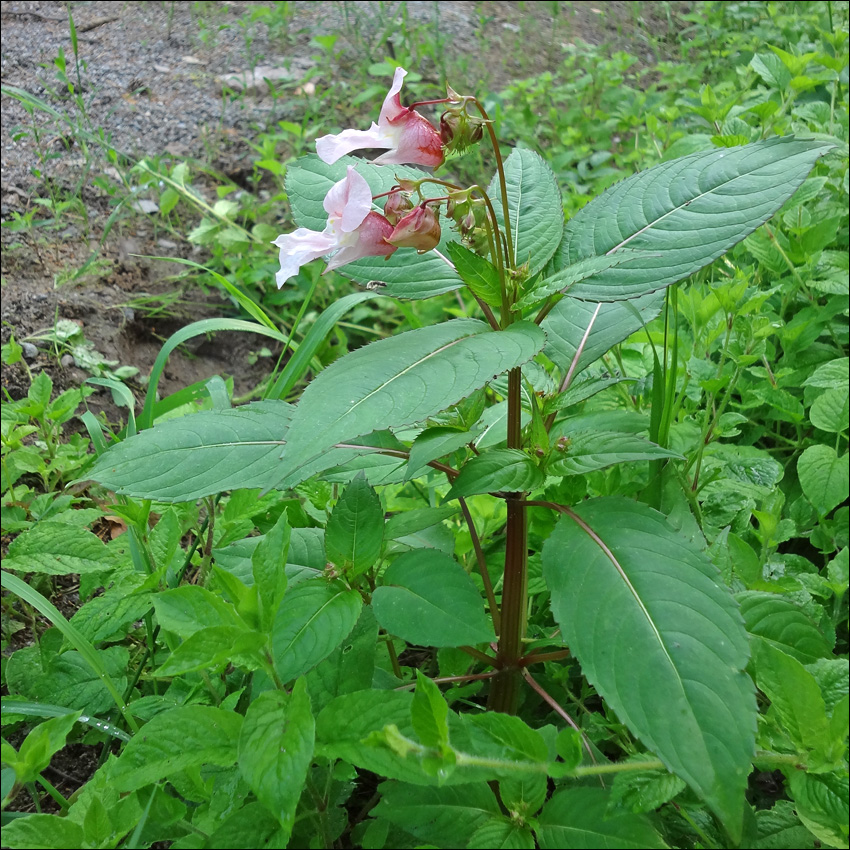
(433, 443)
(407, 523)
(429, 713)
(604, 325)
(58, 548)
(589, 450)
(402, 380)
(354, 534)
(508, 470)
(249, 827)
(832, 375)
(315, 617)
(770, 68)
(783, 625)
(480, 275)
(199, 455)
(445, 817)
(502, 833)
(177, 739)
(188, 609)
(780, 827)
(405, 274)
(644, 612)
(268, 568)
(687, 212)
(822, 803)
(824, 477)
(645, 791)
(41, 744)
(214, 647)
(276, 749)
(578, 818)
(35, 832)
(427, 598)
(535, 214)
(831, 410)
(502, 736)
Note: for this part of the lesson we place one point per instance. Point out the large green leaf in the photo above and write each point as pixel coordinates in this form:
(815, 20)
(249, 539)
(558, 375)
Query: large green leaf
(427, 598)
(58, 548)
(824, 477)
(603, 325)
(315, 617)
(402, 380)
(663, 642)
(406, 273)
(688, 212)
(199, 455)
(499, 469)
(534, 207)
(579, 818)
(589, 450)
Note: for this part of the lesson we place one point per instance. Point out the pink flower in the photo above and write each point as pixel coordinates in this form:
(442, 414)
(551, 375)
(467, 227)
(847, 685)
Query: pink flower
(353, 231)
(409, 138)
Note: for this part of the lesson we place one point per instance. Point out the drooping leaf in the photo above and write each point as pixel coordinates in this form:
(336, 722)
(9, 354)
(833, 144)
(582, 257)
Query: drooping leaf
(427, 598)
(589, 450)
(402, 380)
(688, 212)
(824, 477)
(645, 614)
(199, 455)
(578, 819)
(177, 739)
(535, 215)
(315, 617)
(509, 470)
(405, 274)
(58, 548)
(276, 748)
(355, 530)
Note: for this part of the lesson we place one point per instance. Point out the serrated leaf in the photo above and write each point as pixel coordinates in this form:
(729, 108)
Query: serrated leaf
(580, 391)
(355, 530)
(782, 624)
(644, 612)
(644, 791)
(402, 380)
(188, 609)
(508, 470)
(58, 548)
(405, 273)
(276, 748)
(589, 450)
(535, 214)
(427, 598)
(824, 477)
(780, 827)
(446, 817)
(429, 713)
(199, 455)
(184, 737)
(603, 325)
(578, 818)
(503, 834)
(42, 832)
(822, 804)
(480, 275)
(433, 443)
(411, 522)
(214, 647)
(315, 617)
(834, 374)
(268, 569)
(689, 212)
(831, 410)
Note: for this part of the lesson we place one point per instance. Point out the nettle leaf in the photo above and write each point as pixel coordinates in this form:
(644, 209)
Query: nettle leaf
(589, 450)
(688, 212)
(480, 275)
(644, 612)
(402, 380)
(782, 624)
(405, 274)
(355, 530)
(535, 213)
(509, 470)
(184, 737)
(578, 819)
(276, 748)
(198, 455)
(58, 548)
(445, 817)
(428, 599)
(598, 326)
(315, 617)
(824, 477)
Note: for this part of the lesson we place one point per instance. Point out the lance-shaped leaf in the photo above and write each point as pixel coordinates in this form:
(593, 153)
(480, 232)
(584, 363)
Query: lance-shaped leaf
(589, 450)
(405, 274)
(355, 529)
(199, 454)
(401, 380)
(662, 641)
(535, 215)
(590, 330)
(480, 275)
(688, 212)
(508, 470)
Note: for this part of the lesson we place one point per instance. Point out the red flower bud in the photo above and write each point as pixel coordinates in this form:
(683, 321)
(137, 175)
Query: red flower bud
(419, 229)
(397, 205)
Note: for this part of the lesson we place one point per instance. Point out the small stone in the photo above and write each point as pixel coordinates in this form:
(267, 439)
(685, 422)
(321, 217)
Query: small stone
(143, 205)
(30, 351)
(67, 361)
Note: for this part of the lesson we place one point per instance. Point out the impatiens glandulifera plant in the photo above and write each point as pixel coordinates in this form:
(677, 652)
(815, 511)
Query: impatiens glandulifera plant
(480, 408)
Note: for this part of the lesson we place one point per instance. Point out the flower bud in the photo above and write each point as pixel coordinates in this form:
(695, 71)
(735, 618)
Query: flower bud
(419, 229)
(458, 130)
(397, 205)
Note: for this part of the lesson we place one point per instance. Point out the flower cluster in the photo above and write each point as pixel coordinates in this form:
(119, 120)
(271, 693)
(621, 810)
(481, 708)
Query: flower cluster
(354, 229)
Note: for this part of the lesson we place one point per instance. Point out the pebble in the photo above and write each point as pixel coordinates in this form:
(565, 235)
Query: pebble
(30, 351)
(67, 361)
